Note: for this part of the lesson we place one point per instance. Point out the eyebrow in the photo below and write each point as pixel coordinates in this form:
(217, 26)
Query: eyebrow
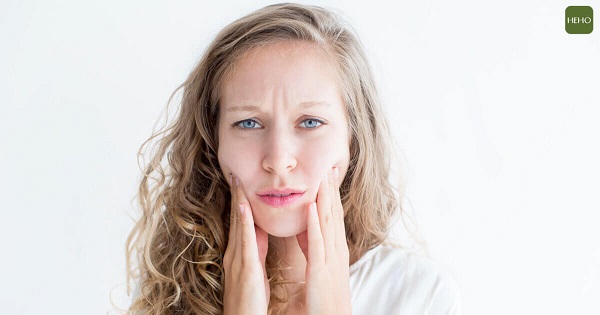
(245, 108)
(252, 108)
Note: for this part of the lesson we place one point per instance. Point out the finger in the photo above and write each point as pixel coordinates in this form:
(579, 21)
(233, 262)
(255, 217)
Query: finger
(240, 199)
(336, 199)
(232, 214)
(335, 196)
(340, 229)
(249, 245)
(332, 184)
(302, 239)
(316, 249)
(262, 241)
(240, 192)
(324, 211)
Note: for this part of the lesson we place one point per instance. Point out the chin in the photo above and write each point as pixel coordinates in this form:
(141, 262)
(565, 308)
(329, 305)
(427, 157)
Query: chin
(287, 224)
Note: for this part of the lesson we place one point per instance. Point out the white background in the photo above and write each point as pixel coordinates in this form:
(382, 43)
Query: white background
(495, 107)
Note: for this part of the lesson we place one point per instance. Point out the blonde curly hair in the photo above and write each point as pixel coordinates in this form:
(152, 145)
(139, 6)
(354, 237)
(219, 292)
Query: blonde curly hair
(176, 248)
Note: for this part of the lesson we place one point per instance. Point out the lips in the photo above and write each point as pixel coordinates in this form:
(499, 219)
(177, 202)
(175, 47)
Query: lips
(280, 200)
(280, 197)
(279, 192)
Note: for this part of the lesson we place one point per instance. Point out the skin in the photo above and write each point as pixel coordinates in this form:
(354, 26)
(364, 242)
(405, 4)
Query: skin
(279, 147)
(285, 145)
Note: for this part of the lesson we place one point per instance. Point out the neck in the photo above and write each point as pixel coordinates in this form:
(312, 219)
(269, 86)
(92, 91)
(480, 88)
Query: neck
(289, 251)
(294, 262)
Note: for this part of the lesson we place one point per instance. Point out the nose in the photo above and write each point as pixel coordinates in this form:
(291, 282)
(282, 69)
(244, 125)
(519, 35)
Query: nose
(279, 156)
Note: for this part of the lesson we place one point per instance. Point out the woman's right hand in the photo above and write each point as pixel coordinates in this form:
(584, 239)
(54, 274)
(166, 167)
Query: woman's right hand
(247, 289)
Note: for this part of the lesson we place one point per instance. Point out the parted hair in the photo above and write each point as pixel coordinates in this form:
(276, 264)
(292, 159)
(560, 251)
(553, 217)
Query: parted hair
(175, 251)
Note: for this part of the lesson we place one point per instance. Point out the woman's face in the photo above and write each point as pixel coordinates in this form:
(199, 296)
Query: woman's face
(282, 126)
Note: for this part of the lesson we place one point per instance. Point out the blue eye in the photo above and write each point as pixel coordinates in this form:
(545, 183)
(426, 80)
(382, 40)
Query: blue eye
(246, 124)
(310, 123)
(315, 123)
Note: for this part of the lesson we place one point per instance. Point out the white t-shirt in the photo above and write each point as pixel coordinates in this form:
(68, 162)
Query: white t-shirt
(391, 280)
(388, 280)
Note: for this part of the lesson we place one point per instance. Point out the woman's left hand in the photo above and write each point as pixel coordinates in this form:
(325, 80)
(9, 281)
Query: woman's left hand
(326, 250)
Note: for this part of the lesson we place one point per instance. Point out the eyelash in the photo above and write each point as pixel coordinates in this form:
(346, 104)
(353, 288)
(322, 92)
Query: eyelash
(237, 124)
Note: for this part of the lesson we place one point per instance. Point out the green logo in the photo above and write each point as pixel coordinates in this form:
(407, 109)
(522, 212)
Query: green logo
(579, 20)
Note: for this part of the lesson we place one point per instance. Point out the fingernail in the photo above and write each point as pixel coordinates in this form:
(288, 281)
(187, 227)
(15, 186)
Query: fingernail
(230, 179)
(237, 181)
(313, 206)
(241, 208)
(336, 172)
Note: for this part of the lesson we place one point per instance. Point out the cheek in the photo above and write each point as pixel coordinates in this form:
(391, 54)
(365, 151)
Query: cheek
(326, 154)
(229, 153)
(236, 158)
(321, 157)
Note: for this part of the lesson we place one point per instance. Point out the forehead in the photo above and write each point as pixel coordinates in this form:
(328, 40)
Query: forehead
(299, 71)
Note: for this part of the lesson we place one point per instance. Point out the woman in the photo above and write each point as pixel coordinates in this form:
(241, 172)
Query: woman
(269, 193)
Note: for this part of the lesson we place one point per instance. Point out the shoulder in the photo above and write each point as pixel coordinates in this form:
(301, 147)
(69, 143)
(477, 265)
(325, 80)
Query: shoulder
(403, 281)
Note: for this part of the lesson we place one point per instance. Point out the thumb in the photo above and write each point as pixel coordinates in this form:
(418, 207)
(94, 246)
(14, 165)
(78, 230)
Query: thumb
(302, 239)
(262, 240)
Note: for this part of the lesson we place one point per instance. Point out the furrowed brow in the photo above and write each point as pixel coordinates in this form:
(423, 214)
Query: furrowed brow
(314, 103)
(252, 108)
(244, 108)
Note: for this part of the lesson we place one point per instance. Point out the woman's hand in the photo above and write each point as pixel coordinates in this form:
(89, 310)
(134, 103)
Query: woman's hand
(326, 250)
(247, 288)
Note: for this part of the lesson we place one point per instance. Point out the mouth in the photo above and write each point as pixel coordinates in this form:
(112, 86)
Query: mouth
(280, 200)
